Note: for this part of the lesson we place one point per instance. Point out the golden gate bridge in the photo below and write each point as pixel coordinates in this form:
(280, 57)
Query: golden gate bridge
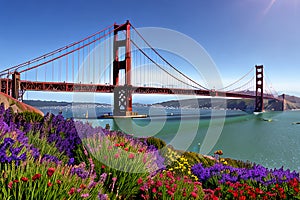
(108, 61)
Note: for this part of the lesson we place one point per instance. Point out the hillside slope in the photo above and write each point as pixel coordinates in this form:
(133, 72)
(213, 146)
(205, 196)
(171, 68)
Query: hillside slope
(16, 105)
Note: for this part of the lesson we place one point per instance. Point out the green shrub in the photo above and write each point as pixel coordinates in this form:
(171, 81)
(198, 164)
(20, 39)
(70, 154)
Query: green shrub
(158, 143)
(239, 163)
(45, 147)
(31, 116)
(36, 180)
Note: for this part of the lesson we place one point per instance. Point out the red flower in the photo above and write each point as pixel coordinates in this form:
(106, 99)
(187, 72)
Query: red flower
(242, 198)
(10, 185)
(117, 145)
(158, 183)
(49, 184)
(58, 182)
(154, 190)
(50, 171)
(82, 186)
(170, 193)
(194, 194)
(36, 176)
(122, 144)
(126, 149)
(16, 181)
(235, 194)
(131, 156)
(140, 181)
(24, 179)
(259, 191)
(72, 190)
(103, 166)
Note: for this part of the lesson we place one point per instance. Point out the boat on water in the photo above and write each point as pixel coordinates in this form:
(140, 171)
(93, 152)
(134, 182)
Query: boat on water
(258, 113)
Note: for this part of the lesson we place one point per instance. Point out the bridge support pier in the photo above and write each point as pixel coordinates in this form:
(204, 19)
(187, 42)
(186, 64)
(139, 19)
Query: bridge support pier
(283, 102)
(259, 100)
(15, 85)
(122, 94)
(123, 101)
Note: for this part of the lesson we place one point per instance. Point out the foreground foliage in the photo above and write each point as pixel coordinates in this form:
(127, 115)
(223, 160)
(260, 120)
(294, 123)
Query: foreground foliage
(52, 157)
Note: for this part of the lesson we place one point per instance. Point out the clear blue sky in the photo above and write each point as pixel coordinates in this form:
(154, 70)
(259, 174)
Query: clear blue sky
(237, 34)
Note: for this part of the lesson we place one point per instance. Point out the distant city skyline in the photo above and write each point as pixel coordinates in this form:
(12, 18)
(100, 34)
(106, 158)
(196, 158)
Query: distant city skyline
(236, 34)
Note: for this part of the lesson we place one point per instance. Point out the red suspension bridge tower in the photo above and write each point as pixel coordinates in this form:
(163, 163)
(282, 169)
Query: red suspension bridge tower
(259, 85)
(122, 93)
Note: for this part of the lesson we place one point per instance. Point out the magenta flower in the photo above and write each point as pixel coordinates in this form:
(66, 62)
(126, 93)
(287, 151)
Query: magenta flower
(131, 156)
(10, 184)
(85, 195)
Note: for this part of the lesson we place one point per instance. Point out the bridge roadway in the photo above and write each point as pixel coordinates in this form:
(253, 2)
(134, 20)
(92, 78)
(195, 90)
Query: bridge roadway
(103, 88)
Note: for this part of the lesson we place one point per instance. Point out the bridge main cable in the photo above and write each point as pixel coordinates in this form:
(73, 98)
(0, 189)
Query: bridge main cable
(53, 52)
(69, 52)
(237, 80)
(168, 61)
(160, 66)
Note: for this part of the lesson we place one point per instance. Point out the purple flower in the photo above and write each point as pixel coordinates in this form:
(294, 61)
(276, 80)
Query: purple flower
(50, 158)
(71, 161)
(257, 173)
(102, 196)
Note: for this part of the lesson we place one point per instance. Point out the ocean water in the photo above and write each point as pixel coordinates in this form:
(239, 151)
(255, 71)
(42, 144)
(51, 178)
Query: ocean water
(271, 139)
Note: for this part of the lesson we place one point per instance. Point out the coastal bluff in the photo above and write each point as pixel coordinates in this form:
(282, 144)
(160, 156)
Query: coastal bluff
(16, 105)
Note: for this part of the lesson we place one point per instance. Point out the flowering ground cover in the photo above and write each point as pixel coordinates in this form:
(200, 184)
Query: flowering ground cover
(56, 158)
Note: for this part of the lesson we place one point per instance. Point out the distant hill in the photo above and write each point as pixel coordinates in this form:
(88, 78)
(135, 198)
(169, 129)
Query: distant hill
(240, 104)
(39, 103)
(292, 102)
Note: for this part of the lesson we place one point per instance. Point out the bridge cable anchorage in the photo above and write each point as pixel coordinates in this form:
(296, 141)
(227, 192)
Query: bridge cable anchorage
(16, 67)
(231, 84)
(78, 48)
(167, 61)
(146, 55)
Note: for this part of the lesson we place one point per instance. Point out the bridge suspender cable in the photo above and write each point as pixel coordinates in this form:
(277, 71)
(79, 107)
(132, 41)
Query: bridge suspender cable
(167, 61)
(237, 80)
(52, 53)
(160, 66)
(69, 52)
(242, 85)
